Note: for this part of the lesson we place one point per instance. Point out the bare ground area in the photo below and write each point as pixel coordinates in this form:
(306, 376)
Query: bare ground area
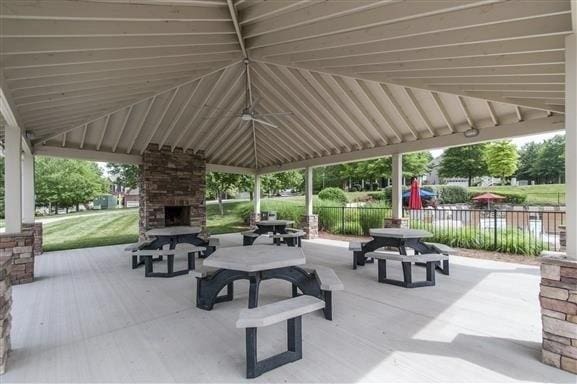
(472, 253)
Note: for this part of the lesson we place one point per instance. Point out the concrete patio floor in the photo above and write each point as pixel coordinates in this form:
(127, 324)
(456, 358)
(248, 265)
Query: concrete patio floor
(89, 318)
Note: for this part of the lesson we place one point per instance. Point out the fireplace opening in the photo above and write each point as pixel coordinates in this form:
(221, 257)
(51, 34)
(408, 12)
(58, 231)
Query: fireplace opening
(177, 215)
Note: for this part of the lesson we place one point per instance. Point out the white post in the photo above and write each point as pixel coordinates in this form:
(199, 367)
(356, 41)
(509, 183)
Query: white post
(308, 191)
(256, 194)
(13, 179)
(28, 192)
(397, 181)
(571, 143)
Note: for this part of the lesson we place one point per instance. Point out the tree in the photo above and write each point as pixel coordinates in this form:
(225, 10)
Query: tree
(219, 184)
(468, 161)
(417, 164)
(528, 156)
(65, 183)
(502, 158)
(550, 160)
(126, 174)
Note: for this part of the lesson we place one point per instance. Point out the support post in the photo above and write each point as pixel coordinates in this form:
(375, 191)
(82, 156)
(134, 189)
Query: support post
(309, 191)
(28, 191)
(310, 221)
(571, 142)
(255, 217)
(397, 220)
(557, 269)
(13, 179)
(397, 179)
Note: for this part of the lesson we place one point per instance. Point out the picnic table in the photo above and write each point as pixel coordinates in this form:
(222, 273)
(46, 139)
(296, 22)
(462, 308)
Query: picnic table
(399, 238)
(264, 227)
(175, 235)
(258, 263)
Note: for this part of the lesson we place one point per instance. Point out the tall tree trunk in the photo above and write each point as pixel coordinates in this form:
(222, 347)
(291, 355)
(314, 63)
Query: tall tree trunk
(470, 181)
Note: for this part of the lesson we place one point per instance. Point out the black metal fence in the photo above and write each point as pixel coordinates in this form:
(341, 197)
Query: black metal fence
(513, 231)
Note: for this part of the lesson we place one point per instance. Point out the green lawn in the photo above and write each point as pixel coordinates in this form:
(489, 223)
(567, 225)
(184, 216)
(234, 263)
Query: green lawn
(545, 194)
(121, 227)
(115, 227)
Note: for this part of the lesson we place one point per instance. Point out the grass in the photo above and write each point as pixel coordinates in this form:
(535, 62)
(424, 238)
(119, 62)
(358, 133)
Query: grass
(544, 194)
(121, 227)
(117, 227)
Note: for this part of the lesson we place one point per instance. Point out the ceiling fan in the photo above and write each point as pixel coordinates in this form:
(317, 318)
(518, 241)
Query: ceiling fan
(248, 113)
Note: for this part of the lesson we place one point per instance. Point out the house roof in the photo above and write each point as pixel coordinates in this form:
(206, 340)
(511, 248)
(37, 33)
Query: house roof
(360, 78)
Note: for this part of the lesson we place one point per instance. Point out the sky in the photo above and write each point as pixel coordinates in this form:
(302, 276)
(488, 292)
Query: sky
(519, 141)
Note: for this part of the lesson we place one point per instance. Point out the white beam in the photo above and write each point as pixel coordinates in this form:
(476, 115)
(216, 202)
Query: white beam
(571, 142)
(229, 169)
(13, 178)
(486, 133)
(86, 154)
(256, 196)
(28, 188)
(397, 178)
(309, 191)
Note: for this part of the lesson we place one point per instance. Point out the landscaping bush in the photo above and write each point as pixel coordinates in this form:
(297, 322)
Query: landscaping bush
(286, 210)
(508, 241)
(450, 194)
(333, 194)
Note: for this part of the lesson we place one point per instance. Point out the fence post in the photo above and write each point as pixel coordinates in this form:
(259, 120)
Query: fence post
(495, 228)
(343, 220)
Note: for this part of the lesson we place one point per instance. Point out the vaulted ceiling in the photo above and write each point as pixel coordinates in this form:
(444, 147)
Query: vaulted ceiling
(112, 76)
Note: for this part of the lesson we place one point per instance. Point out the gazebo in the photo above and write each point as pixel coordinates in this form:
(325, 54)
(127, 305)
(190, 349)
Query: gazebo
(256, 87)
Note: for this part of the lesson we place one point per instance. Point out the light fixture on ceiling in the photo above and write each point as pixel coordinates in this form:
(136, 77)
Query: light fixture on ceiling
(471, 132)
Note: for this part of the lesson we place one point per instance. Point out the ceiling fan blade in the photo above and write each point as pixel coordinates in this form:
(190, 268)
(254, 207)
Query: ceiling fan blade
(265, 123)
(273, 114)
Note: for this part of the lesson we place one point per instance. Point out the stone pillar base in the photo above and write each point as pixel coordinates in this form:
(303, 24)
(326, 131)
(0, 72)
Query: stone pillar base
(37, 230)
(396, 223)
(310, 224)
(5, 306)
(19, 247)
(254, 218)
(558, 298)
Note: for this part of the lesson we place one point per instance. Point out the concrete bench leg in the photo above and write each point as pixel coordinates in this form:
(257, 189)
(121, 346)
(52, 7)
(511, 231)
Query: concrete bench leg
(248, 240)
(407, 281)
(255, 368)
(328, 310)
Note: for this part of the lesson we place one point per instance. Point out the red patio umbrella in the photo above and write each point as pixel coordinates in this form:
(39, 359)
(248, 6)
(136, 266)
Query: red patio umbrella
(415, 196)
(488, 197)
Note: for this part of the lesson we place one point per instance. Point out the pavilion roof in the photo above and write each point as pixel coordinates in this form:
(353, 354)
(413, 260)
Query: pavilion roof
(361, 78)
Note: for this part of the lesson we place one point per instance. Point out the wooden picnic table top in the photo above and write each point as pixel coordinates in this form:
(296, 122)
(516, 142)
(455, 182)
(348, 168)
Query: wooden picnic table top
(255, 258)
(174, 231)
(399, 233)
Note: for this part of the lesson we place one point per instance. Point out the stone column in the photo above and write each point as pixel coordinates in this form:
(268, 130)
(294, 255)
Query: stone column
(5, 306)
(19, 247)
(558, 298)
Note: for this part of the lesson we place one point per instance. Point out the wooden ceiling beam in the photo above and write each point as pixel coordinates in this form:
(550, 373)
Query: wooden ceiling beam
(478, 16)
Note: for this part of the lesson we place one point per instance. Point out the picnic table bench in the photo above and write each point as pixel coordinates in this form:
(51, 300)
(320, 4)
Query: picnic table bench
(430, 260)
(148, 255)
(290, 310)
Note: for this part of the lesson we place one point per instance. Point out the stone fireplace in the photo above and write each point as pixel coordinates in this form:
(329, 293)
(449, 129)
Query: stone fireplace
(172, 188)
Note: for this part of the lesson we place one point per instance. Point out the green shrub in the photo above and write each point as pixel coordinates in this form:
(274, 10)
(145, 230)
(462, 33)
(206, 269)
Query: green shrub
(508, 241)
(285, 210)
(451, 194)
(333, 194)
